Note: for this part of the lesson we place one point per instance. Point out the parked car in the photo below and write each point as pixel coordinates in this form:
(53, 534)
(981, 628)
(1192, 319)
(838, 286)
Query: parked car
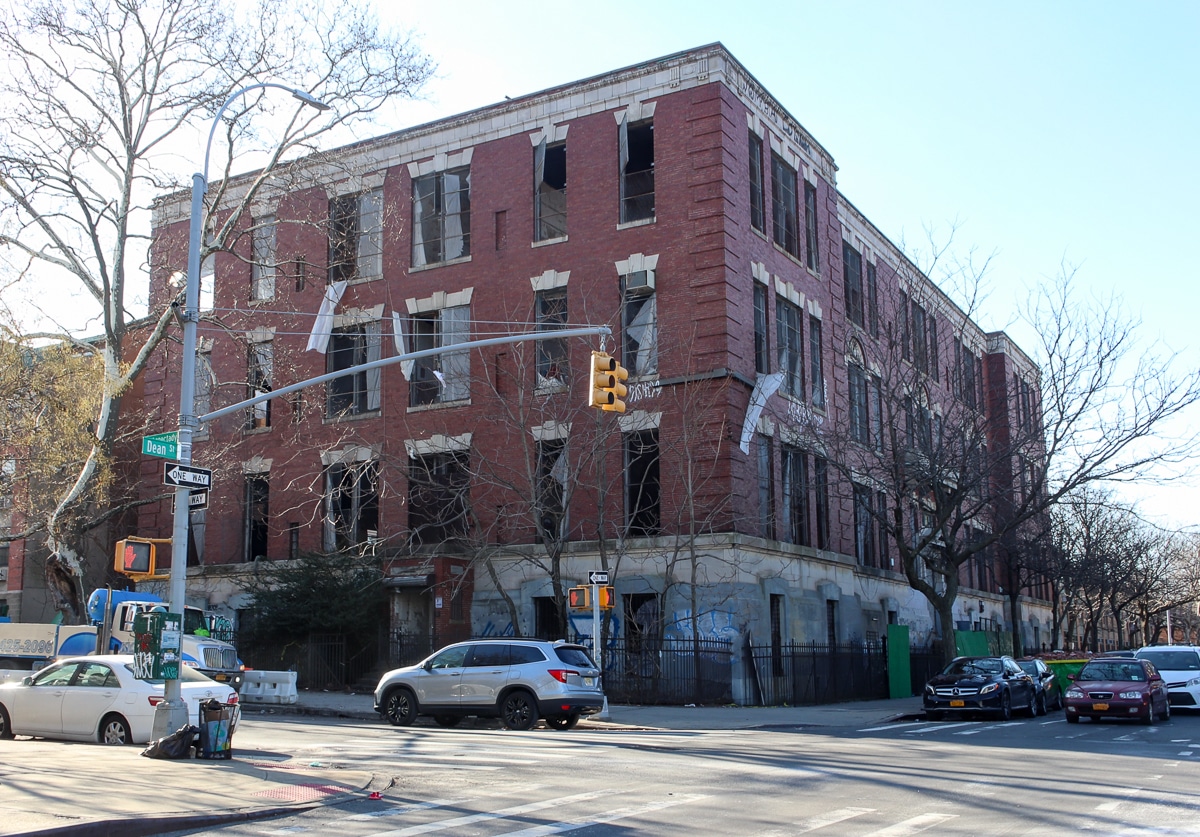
(980, 684)
(517, 680)
(1049, 694)
(97, 698)
(1118, 687)
(1179, 666)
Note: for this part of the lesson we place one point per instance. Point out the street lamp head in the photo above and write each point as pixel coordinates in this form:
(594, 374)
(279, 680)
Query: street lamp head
(309, 99)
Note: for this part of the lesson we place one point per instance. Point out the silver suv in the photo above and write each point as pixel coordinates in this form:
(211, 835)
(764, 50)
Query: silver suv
(517, 680)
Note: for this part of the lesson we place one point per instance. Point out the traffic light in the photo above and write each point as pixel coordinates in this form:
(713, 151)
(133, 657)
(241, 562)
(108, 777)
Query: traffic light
(608, 383)
(608, 598)
(135, 556)
(579, 598)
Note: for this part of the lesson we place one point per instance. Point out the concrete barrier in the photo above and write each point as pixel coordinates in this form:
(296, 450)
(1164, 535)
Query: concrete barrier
(269, 687)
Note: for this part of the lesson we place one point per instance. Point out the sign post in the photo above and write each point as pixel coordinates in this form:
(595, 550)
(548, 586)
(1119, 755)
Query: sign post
(598, 579)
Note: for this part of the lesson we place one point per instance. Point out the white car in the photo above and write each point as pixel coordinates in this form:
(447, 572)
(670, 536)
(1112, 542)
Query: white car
(1179, 666)
(97, 698)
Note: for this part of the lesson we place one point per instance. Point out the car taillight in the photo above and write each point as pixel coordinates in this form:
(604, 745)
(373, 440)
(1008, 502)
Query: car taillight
(155, 700)
(561, 674)
(233, 698)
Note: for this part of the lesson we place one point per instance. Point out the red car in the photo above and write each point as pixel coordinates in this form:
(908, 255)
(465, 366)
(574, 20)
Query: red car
(1118, 687)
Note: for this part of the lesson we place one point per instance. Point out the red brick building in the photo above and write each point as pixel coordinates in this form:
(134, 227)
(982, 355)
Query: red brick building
(676, 201)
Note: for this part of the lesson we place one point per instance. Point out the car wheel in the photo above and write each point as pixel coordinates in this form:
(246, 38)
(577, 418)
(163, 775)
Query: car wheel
(447, 720)
(114, 730)
(5, 724)
(1039, 704)
(1151, 715)
(931, 715)
(400, 707)
(563, 721)
(1006, 706)
(518, 710)
(1166, 715)
(1072, 719)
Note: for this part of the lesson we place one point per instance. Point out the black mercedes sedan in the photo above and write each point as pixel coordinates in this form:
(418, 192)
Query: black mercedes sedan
(980, 684)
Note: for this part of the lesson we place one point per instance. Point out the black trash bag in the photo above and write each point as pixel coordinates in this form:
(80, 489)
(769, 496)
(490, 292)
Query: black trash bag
(177, 745)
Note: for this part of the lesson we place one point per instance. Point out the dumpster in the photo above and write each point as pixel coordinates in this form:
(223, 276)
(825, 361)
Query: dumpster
(216, 730)
(1063, 669)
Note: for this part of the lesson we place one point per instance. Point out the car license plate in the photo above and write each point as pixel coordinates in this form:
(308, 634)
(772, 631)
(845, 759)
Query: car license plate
(1099, 707)
(589, 681)
(957, 703)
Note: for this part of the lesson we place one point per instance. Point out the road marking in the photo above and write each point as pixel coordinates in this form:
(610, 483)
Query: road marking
(914, 825)
(832, 818)
(1117, 803)
(936, 728)
(503, 813)
(607, 817)
(987, 728)
(893, 726)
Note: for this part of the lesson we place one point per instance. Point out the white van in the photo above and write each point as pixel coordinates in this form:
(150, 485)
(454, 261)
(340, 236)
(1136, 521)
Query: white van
(1179, 665)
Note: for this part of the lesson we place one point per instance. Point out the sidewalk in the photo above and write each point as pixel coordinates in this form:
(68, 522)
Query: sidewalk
(87, 790)
(857, 713)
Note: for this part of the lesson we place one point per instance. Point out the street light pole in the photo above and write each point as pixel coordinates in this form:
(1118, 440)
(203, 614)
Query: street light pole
(172, 713)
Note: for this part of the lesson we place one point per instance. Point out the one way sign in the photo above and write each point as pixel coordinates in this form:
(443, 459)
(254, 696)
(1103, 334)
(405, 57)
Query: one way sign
(186, 475)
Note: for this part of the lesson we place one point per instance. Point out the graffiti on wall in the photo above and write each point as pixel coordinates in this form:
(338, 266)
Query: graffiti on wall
(711, 624)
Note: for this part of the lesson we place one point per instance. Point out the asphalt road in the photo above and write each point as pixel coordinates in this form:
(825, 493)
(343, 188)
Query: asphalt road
(1029, 776)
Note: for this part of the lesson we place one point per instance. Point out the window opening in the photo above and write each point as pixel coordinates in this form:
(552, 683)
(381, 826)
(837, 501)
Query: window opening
(637, 171)
(550, 191)
(642, 482)
(442, 216)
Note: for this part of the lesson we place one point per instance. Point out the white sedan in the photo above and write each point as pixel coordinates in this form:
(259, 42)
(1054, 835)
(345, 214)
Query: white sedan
(97, 698)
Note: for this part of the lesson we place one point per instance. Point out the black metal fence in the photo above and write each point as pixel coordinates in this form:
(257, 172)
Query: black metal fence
(795, 674)
(321, 661)
(670, 672)
(923, 664)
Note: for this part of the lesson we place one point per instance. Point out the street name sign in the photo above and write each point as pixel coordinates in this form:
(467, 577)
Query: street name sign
(165, 445)
(598, 577)
(186, 476)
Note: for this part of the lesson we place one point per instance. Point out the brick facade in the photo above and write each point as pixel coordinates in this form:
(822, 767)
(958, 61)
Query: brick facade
(704, 108)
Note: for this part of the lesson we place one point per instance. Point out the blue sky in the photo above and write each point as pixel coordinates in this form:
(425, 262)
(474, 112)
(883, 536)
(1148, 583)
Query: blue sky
(1051, 132)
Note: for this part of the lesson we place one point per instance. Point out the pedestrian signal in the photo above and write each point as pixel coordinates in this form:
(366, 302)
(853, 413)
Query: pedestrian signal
(607, 597)
(135, 556)
(579, 598)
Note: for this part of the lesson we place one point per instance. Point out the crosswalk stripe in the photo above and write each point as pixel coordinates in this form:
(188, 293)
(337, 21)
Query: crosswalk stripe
(832, 818)
(503, 813)
(607, 817)
(913, 825)
(936, 727)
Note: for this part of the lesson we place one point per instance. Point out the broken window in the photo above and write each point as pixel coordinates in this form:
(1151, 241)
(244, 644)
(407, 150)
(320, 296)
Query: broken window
(757, 207)
(795, 495)
(351, 504)
(552, 351)
(437, 496)
(637, 171)
(551, 488)
(817, 369)
(790, 347)
(766, 487)
(259, 369)
(811, 239)
(639, 326)
(549, 191)
(356, 237)
(256, 514)
(864, 527)
(262, 271)
(642, 509)
(852, 276)
(442, 217)
(442, 377)
(762, 355)
(783, 206)
(358, 391)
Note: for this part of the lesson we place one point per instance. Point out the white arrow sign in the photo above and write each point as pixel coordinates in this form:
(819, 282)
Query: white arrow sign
(598, 577)
(186, 475)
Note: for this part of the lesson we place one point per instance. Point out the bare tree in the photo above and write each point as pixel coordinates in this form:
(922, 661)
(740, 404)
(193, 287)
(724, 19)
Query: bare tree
(100, 93)
(949, 485)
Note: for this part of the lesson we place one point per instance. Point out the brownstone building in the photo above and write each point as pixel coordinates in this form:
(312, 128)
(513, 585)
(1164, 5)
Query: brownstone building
(677, 202)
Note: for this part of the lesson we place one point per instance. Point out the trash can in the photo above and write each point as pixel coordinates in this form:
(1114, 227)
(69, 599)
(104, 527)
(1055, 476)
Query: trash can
(216, 730)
